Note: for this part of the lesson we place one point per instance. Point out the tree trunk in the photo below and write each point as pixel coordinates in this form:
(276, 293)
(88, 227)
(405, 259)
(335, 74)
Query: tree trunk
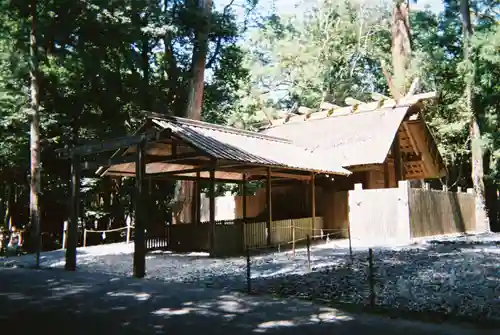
(184, 191)
(401, 46)
(477, 172)
(195, 97)
(34, 137)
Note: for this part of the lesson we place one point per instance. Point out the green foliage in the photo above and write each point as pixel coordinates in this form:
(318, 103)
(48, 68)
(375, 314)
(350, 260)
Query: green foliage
(102, 63)
(334, 51)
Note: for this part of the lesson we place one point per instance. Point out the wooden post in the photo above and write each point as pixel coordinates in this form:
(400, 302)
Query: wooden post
(140, 213)
(211, 195)
(73, 225)
(313, 203)
(65, 235)
(371, 277)
(387, 181)
(350, 241)
(269, 206)
(128, 228)
(84, 237)
(396, 154)
(308, 240)
(445, 187)
(244, 209)
(197, 195)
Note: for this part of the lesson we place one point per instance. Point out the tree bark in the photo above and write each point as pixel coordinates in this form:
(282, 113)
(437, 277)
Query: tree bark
(34, 137)
(477, 169)
(185, 189)
(195, 97)
(401, 47)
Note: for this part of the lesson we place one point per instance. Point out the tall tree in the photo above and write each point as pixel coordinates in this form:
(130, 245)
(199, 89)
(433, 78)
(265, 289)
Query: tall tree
(185, 189)
(477, 172)
(200, 49)
(401, 47)
(34, 136)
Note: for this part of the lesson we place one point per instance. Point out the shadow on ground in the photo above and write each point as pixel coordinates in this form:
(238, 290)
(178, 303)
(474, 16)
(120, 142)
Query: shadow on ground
(79, 303)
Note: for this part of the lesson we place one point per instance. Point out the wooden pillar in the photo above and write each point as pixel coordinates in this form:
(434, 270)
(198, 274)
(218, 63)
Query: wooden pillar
(140, 213)
(244, 209)
(398, 164)
(73, 224)
(269, 206)
(313, 202)
(197, 200)
(387, 181)
(211, 194)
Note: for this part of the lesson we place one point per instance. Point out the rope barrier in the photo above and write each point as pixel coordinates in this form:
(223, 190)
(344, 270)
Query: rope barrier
(108, 231)
(103, 232)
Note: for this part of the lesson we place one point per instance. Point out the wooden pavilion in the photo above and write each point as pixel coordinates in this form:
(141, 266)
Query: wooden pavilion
(169, 147)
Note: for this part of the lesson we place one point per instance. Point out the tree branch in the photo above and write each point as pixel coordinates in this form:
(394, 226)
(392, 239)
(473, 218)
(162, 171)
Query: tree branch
(218, 45)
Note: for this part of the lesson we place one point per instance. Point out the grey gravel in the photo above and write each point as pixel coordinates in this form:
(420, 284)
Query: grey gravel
(458, 276)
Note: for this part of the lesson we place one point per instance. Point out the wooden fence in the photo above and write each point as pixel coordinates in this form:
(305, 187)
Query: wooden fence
(397, 215)
(435, 212)
(233, 237)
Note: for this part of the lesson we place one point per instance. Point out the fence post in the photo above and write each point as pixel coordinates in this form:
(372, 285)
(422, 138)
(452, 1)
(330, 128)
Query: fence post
(470, 190)
(308, 253)
(249, 283)
(350, 241)
(128, 220)
(445, 187)
(128, 233)
(65, 232)
(85, 237)
(371, 279)
(293, 238)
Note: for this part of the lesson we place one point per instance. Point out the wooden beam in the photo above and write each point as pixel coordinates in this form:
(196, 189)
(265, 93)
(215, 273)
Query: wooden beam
(108, 145)
(132, 158)
(73, 222)
(140, 213)
(280, 174)
(410, 138)
(396, 154)
(369, 106)
(269, 206)
(212, 212)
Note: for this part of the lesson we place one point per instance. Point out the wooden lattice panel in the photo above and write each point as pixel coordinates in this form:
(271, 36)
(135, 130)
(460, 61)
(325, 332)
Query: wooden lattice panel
(413, 170)
(404, 142)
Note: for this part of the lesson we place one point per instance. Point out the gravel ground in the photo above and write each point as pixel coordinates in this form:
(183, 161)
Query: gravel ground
(458, 275)
(60, 302)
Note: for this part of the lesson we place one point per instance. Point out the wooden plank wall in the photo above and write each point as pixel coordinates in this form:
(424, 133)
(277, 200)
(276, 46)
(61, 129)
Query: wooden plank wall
(434, 212)
(335, 208)
(379, 216)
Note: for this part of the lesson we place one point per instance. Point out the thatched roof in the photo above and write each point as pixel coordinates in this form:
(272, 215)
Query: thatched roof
(363, 135)
(352, 139)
